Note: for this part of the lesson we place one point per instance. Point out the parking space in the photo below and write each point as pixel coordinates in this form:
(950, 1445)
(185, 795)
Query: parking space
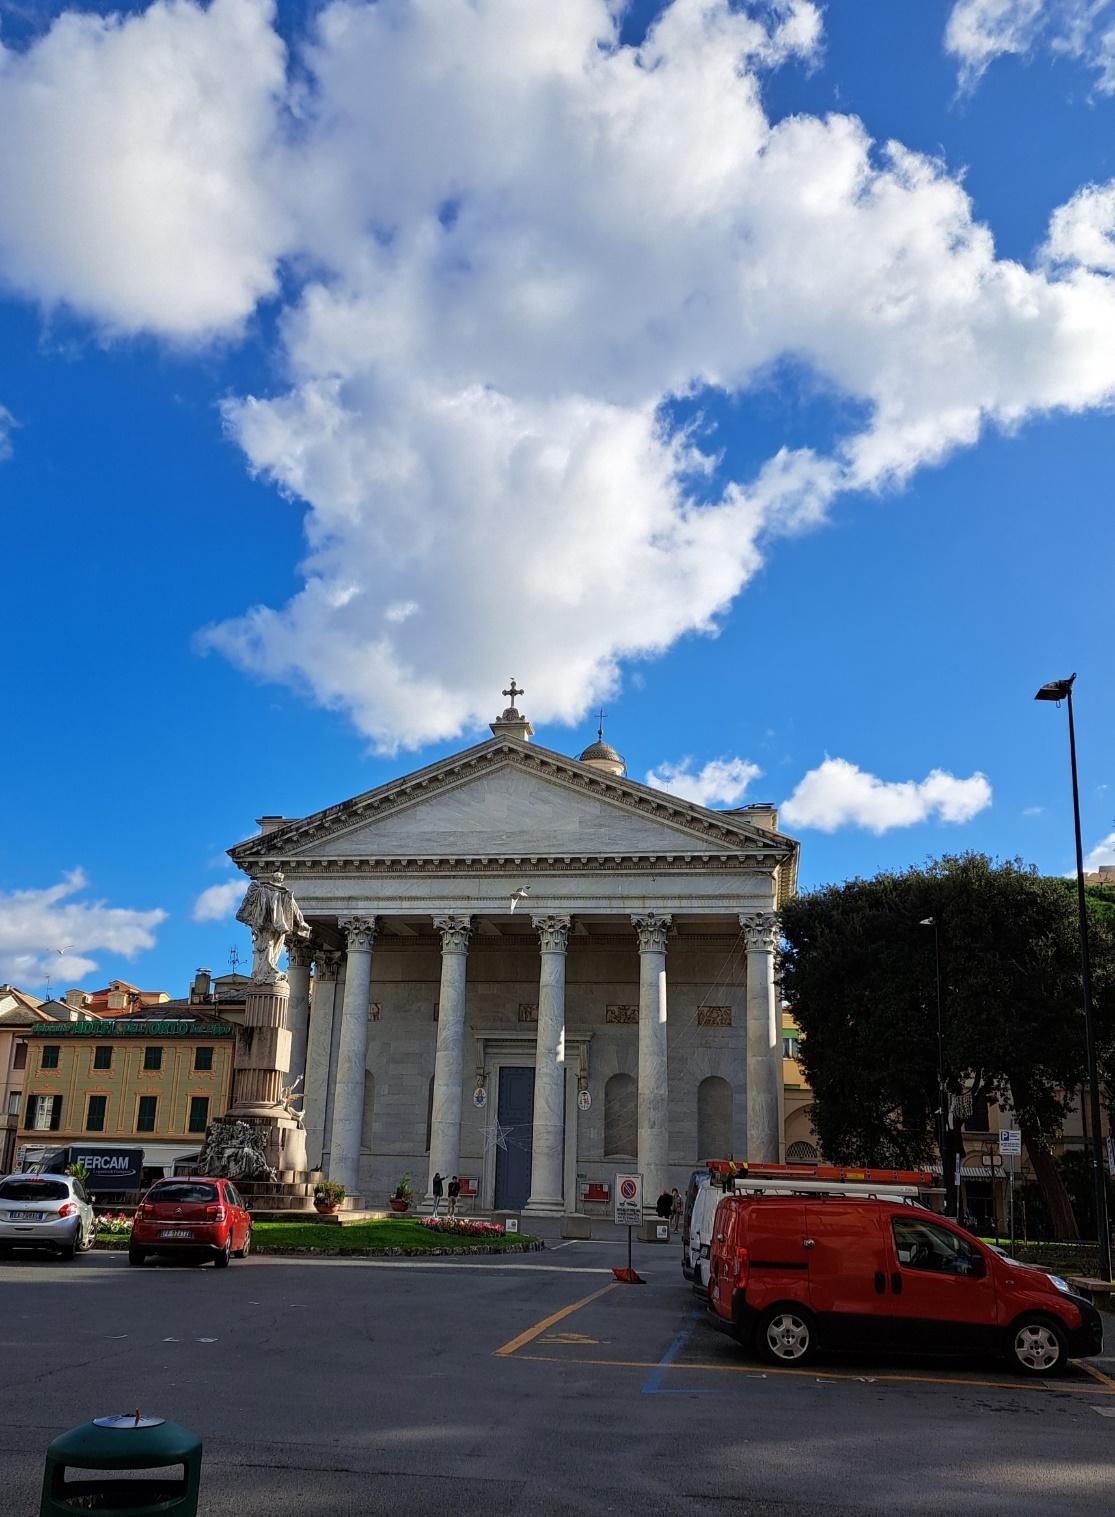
(660, 1335)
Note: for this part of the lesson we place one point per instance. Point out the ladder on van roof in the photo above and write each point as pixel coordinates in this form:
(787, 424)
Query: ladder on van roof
(817, 1179)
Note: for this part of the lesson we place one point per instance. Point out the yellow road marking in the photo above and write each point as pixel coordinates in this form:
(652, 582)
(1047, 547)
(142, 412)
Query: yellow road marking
(1096, 1374)
(540, 1327)
(810, 1374)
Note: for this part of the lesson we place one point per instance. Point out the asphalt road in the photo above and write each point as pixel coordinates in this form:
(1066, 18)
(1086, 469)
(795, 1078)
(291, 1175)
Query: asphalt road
(345, 1387)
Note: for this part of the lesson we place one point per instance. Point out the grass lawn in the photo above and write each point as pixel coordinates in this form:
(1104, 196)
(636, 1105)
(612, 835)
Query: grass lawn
(394, 1232)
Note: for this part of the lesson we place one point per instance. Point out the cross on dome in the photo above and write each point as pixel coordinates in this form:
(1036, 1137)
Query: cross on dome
(513, 692)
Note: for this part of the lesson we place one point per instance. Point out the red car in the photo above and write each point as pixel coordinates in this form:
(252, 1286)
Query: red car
(194, 1215)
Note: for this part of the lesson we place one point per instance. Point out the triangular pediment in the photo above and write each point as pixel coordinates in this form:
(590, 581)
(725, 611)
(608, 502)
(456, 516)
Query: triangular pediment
(511, 799)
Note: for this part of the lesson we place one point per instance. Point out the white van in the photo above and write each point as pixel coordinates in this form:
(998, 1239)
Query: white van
(699, 1236)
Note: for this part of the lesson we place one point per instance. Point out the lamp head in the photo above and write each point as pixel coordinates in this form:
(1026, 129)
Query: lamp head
(1056, 690)
(928, 922)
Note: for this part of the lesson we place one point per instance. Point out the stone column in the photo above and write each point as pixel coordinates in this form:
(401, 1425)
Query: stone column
(316, 1087)
(445, 1122)
(299, 957)
(352, 1055)
(546, 1159)
(654, 1092)
(764, 1040)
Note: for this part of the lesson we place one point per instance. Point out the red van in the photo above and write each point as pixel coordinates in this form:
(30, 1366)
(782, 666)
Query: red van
(791, 1274)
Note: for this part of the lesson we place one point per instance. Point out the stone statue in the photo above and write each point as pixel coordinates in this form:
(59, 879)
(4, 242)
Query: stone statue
(233, 1151)
(289, 1094)
(272, 913)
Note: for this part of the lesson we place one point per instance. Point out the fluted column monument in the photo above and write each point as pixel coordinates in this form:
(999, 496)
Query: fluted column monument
(547, 1147)
(352, 1054)
(764, 1040)
(654, 1091)
(445, 1119)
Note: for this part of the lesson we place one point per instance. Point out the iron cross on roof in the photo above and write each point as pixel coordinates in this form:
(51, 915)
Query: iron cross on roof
(600, 715)
(513, 691)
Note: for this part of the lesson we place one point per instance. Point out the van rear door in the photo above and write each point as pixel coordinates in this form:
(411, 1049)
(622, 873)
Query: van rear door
(848, 1265)
(778, 1262)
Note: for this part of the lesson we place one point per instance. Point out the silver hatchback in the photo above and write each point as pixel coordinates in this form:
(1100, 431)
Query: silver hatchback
(46, 1211)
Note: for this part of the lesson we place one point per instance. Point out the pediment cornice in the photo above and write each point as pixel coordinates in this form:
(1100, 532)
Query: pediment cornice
(725, 840)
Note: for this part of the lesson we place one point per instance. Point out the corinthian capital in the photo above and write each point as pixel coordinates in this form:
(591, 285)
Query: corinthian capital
(299, 953)
(327, 962)
(360, 933)
(652, 928)
(760, 928)
(454, 933)
(553, 933)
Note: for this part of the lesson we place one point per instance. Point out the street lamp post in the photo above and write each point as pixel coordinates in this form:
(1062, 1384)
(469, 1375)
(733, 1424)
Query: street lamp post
(948, 1181)
(1061, 690)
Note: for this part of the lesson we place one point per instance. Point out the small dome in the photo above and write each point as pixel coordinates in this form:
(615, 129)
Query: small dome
(601, 751)
(601, 755)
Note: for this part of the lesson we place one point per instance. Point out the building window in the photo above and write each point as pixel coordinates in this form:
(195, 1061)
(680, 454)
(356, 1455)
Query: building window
(152, 1058)
(50, 1056)
(199, 1113)
(430, 1114)
(95, 1116)
(802, 1152)
(145, 1115)
(20, 1061)
(14, 1099)
(102, 1056)
(621, 1117)
(44, 1113)
(203, 1060)
(790, 1045)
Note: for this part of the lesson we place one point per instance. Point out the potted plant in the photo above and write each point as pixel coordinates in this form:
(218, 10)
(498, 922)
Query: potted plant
(328, 1195)
(403, 1196)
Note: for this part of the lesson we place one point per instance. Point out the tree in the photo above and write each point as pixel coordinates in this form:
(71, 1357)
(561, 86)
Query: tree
(858, 971)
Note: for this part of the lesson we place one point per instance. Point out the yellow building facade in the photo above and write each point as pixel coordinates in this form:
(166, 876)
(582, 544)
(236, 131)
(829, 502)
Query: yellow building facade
(136, 1081)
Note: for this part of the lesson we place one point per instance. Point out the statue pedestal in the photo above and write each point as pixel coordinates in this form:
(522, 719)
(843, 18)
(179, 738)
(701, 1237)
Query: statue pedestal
(262, 1057)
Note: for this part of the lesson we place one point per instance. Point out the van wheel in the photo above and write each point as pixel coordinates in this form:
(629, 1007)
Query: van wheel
(1037, 1346)
(786, 1335)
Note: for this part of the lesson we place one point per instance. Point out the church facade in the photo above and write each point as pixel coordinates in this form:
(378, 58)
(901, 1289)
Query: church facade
(531, 972)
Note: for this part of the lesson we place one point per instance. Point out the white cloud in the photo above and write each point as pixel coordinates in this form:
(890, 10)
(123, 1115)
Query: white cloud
(136, 175)
(217, 902)
(720, 781)
(7, 424)
(45, 932)
(1082, 231)
(838, 794)
(1102, 853)
(1032, 810)
(979, 31)
(490, 310)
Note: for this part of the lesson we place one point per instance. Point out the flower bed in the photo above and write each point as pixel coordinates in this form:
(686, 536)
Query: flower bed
(114, 1224)
(462, 1227)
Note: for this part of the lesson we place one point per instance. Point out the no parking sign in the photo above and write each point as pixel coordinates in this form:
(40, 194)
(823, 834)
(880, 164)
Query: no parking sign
(629, 1200)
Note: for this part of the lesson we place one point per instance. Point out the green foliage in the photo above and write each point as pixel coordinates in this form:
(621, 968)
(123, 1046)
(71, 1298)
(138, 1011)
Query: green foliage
(79, 1173)
(393, 1233)
(329, 1190)
(858, 972)
(402, 1190)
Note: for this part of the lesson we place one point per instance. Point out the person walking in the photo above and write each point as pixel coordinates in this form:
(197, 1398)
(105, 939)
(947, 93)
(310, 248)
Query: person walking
(675, 1210)
(438, 1187)
(663, 1205)
(453, 1192)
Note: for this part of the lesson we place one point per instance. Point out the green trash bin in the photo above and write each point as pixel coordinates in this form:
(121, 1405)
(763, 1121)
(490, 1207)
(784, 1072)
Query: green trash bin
(124, 1443)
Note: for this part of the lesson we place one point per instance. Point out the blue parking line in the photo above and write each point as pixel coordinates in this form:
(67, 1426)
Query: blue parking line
(652, 1386)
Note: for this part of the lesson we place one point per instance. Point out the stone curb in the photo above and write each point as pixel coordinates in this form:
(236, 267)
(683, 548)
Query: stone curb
(110, 1244)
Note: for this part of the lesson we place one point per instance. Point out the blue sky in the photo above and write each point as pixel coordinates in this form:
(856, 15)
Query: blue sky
(467, 434)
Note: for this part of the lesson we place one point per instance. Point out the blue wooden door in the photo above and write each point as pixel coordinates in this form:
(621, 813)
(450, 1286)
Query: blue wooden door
(516, 1128)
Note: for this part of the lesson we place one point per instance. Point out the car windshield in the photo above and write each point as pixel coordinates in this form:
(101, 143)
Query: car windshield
(34, 1189)
(187, 1192)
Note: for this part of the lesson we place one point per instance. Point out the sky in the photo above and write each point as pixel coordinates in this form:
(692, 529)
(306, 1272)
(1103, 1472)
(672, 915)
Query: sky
(744, 369)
